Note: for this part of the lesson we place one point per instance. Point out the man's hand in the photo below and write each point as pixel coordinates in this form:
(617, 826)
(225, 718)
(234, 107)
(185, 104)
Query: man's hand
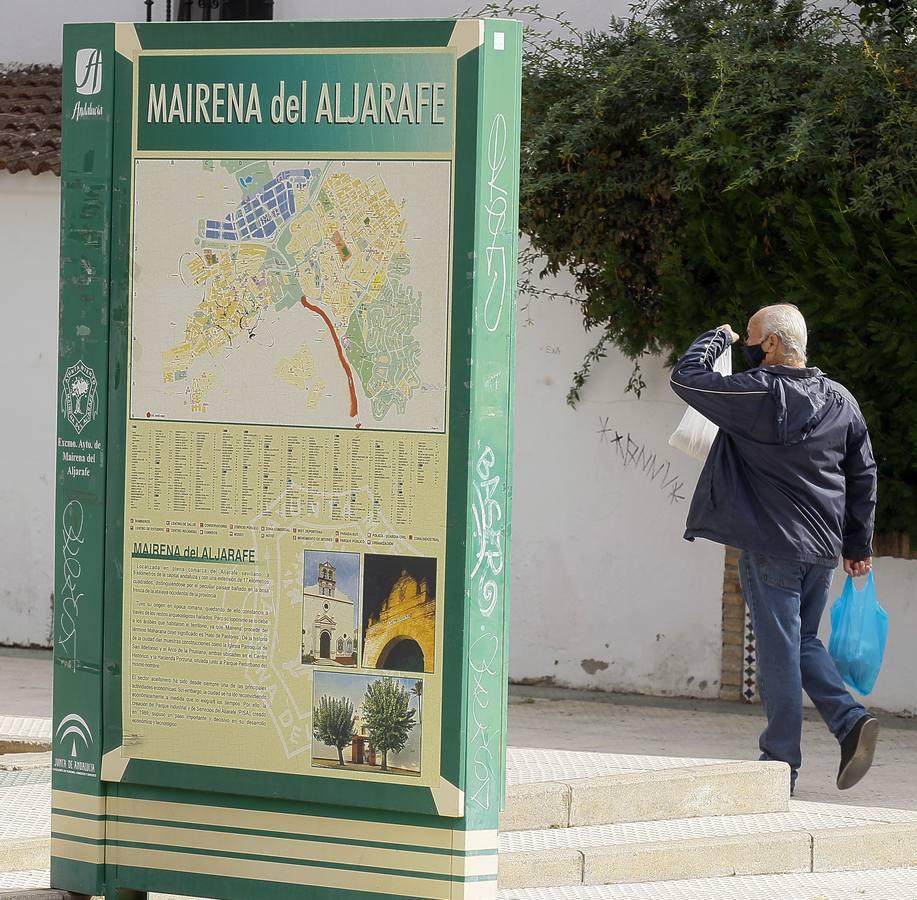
(728, 329)
(857, 567)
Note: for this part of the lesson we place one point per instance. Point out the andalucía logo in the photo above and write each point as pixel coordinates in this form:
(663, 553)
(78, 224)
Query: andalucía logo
(88, 74)
(79, 396)
(75, 731)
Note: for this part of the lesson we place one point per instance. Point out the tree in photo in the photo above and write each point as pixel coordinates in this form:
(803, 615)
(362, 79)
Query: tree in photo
(388, 717)
(332, 723)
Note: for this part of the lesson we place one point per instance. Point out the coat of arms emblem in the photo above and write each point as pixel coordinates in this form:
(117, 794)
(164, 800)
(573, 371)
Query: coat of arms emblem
(79, 396)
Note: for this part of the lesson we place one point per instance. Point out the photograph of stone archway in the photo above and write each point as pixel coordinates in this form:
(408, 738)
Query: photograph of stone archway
(399, 613)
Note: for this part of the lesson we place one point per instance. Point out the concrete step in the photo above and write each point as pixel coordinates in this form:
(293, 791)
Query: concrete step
(871, 884)
(21, 734)
(22, 762)
(25, 819)
(596, 820)
(811, 837)
(25, 854)
(562, 789)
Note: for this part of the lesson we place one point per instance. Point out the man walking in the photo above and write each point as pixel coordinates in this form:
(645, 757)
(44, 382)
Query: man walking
(791, 481)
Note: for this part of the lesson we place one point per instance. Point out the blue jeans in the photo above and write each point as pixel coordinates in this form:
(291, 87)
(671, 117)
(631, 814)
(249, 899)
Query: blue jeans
(786, 600)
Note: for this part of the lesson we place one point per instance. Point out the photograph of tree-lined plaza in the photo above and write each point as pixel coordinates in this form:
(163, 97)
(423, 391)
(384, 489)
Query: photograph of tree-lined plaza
(366, 723)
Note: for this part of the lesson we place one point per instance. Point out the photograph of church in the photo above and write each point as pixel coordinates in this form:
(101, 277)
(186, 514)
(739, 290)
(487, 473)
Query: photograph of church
(330, 616)
(399, 613)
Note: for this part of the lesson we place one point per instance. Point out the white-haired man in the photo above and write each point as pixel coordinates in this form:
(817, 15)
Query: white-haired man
(791, 481)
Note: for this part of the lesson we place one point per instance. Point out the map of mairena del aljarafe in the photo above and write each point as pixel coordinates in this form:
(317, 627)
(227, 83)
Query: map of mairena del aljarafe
(291, 292)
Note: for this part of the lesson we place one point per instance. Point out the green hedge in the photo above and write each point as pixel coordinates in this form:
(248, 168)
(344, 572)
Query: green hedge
(697, 161)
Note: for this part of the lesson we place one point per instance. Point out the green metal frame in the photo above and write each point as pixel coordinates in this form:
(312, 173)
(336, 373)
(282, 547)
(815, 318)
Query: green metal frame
(95, 270)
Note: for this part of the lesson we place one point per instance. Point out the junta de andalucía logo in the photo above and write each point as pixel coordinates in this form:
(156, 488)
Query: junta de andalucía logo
(73, 737)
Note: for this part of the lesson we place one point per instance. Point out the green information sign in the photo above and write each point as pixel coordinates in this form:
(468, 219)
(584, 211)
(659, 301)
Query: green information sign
(288, 264)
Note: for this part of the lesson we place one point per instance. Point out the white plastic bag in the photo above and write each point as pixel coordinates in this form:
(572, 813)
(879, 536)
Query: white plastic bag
(695, 433)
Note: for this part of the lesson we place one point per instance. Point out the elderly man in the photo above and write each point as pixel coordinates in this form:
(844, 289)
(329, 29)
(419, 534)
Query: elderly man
(791, 481)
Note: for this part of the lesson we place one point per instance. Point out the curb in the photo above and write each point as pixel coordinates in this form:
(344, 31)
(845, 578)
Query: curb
(24, 734)
(25, 854)
(721, 789)
(801, 851)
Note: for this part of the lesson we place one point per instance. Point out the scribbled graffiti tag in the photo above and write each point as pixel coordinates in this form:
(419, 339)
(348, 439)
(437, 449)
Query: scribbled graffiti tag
(71, 543)
(487, 567)
(640, 457)
(488, 516)
(496, 207)
(485, 654)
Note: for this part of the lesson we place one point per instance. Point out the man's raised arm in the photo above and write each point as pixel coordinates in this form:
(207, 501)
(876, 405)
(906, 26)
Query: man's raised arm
(732, 402)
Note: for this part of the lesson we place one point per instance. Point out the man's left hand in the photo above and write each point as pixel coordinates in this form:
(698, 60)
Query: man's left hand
(858, 567)
(733, 337)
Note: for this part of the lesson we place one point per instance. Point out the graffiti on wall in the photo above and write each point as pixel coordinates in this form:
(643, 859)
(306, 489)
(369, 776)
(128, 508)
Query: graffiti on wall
(640, 458)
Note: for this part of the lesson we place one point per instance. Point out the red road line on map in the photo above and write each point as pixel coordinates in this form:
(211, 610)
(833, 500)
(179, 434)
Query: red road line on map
(337, 343)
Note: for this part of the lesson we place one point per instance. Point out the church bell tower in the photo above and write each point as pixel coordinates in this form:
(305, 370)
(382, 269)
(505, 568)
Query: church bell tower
(327, 579)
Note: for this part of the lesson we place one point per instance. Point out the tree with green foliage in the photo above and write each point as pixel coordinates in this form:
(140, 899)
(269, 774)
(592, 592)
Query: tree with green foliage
(388, 718)
(332, 723)
(894, 20)
(703, 158)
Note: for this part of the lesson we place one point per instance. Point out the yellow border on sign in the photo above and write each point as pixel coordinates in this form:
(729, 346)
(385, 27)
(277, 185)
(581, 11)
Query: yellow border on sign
(450, 800)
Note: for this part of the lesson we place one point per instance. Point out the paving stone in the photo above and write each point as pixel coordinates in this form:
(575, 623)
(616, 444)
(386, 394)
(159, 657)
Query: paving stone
(889, 884)
(528, 764)
(25, 805)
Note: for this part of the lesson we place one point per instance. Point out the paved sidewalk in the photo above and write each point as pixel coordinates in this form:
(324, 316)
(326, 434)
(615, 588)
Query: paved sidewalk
(559, 719)
(624, 723)
(26, 679)
(887, 884)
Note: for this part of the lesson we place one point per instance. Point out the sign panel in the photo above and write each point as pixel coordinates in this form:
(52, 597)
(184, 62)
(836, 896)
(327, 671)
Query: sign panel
(302, 514)
(286, 479)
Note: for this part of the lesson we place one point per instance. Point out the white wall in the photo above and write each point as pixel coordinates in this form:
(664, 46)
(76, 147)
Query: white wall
(605, 591)
(35, 37)
(598, 556)
(29, 208)
(896, 586)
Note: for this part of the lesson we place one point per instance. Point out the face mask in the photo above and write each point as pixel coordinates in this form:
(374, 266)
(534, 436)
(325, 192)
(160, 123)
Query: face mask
(754, 354)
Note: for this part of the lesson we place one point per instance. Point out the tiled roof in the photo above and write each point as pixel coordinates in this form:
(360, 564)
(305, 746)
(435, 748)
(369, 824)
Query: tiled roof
(30, 110)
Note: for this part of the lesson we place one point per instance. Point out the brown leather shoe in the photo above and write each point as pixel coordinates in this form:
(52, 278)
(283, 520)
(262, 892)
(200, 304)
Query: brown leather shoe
(857, 751)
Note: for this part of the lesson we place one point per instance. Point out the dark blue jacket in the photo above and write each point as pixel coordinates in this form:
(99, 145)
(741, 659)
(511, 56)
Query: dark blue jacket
(791, 472)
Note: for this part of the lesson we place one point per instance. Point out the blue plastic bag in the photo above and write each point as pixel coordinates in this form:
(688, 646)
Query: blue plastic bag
(859, 628)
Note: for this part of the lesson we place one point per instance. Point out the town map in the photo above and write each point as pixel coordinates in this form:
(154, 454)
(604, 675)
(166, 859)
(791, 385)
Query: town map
(291, 292)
